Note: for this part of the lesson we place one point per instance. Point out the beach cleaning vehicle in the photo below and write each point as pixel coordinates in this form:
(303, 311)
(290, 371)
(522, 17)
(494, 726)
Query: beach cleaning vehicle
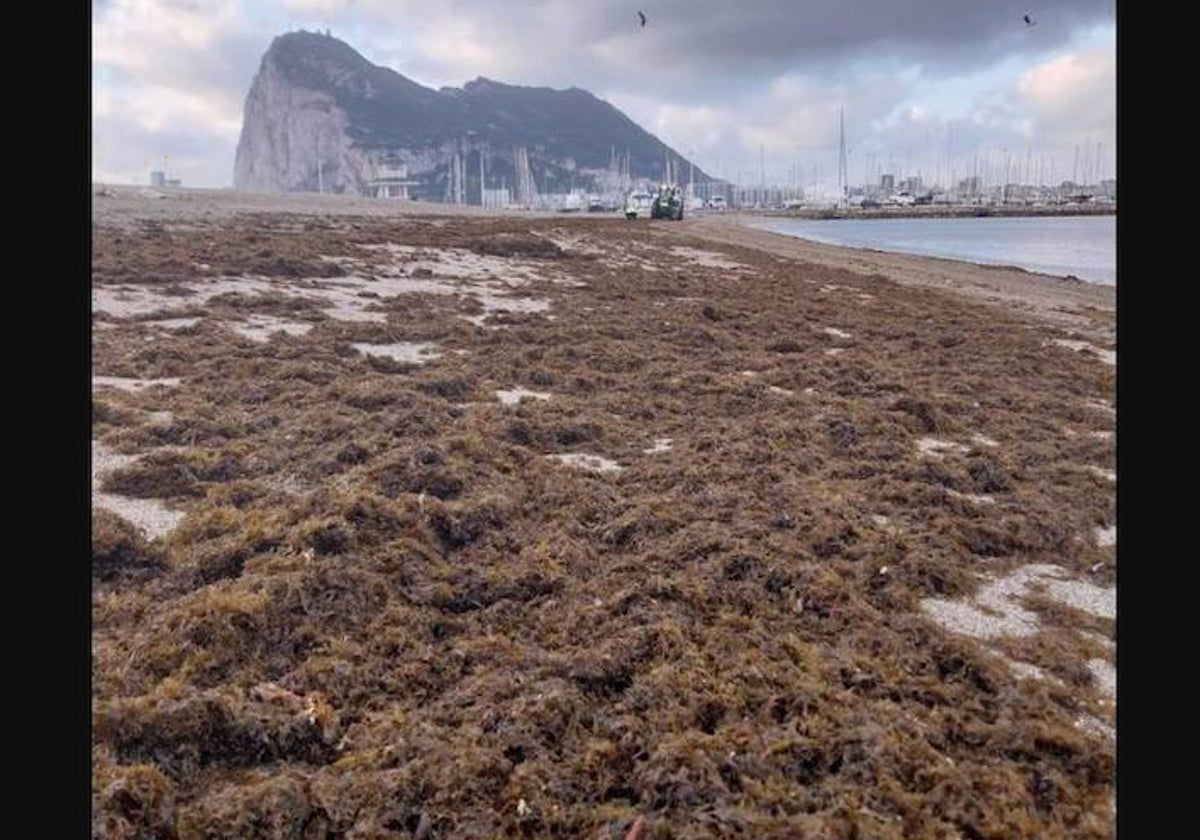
(668, 204)
(637, 201)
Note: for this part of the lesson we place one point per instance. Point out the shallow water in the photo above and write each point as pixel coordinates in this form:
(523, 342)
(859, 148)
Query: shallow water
(1083, 246)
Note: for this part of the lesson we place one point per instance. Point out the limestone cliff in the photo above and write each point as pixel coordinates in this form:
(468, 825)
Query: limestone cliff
(318, 114)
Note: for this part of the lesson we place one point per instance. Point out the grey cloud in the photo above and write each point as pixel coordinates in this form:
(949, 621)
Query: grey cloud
(222, 70)
(692, 52)
(121, 145)
(695, 48)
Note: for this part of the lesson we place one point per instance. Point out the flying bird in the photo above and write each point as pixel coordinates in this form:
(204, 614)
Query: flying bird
(1029, 21)
(643, 17)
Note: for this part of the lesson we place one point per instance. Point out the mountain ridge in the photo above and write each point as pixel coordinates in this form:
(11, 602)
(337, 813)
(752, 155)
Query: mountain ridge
(319, 115)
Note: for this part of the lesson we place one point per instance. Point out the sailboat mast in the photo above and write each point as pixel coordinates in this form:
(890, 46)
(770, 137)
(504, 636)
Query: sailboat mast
(843, 175)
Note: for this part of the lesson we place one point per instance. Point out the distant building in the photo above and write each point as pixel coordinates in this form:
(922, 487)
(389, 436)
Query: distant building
(390, 181)
(912, 185)
(887, 183)
(158, 179)
(497, 199)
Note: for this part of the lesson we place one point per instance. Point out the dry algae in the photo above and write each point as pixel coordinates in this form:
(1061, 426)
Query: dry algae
(389, 615)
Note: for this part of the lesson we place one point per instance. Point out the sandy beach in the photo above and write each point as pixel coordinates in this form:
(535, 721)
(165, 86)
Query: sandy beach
(418, 521)
(1088, 307)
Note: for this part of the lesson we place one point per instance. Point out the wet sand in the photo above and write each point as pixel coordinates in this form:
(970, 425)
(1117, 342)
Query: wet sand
(1088, 307)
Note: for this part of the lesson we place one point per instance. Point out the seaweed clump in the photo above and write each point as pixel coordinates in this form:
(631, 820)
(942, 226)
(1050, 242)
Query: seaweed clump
(388, 612)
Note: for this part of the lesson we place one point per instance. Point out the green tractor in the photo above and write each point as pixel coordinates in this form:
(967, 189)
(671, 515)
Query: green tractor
(668, 204)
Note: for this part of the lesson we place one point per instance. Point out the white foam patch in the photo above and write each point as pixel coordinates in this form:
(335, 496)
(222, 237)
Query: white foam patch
(972, 497)
(416, 352)
(783, 392)
(513, 396)
(576, 244)
(1094, 726)
(835, 332)
(151, 516)
(591, 463)
(1108, 475)
(934, 448)
(1105, 642)
(355, 313)
(969, 620)
(994, 612)
(1096, 600)
(709, 259)
(835, 351)
(1105, 675)
(1027, 671)
(135, 301)
(497, 301)
(491, 280)
(173, 323)
(1109, 357)
(130, 302)
(983, 440)
(125, 383)
(1106, 536)
(343, 298)
(660, 445)
(261, 327)
(459, 263)
(105, 460)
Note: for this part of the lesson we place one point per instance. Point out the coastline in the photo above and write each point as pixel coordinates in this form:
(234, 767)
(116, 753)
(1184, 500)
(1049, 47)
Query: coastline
(1089, 307)
(933, 212)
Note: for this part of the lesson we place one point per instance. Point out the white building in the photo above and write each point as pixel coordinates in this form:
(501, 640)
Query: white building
(390, 181)
(497, 199)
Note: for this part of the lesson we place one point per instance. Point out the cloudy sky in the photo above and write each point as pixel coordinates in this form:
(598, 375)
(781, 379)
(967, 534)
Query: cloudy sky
(749, 89)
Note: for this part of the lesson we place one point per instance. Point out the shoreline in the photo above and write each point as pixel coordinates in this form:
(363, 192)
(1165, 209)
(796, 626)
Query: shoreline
(1085, 306)
(927, 212)
(1067, 277)
(1090, 307)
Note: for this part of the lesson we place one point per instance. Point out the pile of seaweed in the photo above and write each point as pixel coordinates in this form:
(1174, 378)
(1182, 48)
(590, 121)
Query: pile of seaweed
(387, 613)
